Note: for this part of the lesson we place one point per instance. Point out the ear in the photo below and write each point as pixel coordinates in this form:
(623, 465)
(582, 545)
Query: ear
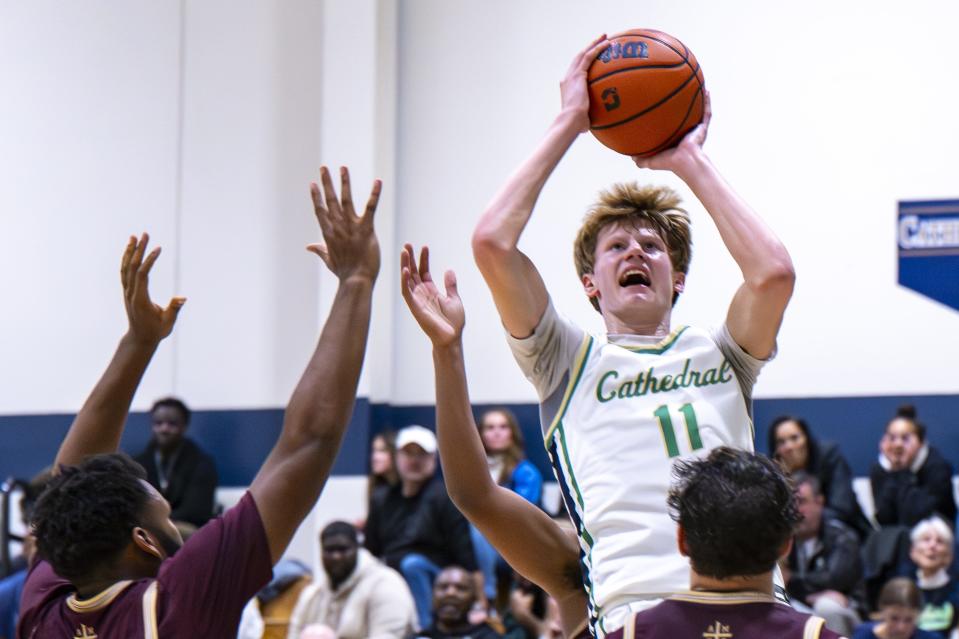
(143, 539)
(681, 541)
(679, 282)
(589, 285)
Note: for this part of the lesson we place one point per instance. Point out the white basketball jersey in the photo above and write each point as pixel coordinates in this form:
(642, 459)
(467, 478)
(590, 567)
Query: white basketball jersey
(627, 414)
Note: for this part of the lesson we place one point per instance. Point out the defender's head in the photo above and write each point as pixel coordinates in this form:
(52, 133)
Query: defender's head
(101, 517)
(736, 513)
(634, 246)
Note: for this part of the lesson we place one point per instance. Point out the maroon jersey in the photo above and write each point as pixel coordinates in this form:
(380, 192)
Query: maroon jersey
(199, 592)
(722, 615)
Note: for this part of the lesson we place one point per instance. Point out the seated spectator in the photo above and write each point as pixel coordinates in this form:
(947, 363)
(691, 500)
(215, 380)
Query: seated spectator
(508, 466)
(382, 463)
(824, 568)
(11, 586)
(899, 602)
(267, 615)
(911, 481)
(931, 552)
(178, 468)
(357, 597)
(414, 527)
(454, 595)
(793, 445)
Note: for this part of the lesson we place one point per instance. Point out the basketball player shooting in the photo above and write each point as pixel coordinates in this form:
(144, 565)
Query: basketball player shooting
(618, 410)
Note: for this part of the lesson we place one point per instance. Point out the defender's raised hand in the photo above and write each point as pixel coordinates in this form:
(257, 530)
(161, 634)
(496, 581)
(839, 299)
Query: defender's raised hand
(349, 247)
(149, 322)
(441, 316)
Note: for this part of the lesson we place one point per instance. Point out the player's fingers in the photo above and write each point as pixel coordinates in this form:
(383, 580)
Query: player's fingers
(318, 248)
(707, 113)
(346, 192)
(137, 258)
(425, 264)
(593, 51)
(173, 308)
(372, 202)
(449, 282)
(125, 260)
(329, 193)
(322, 215)
(410, 262)
(143, 273)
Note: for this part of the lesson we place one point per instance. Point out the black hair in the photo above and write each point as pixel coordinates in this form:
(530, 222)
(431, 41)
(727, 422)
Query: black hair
(84, 516)
(175, 403)
(340, 528)
(910, 414)
(801, 477)
(812, 446)
(737, 509)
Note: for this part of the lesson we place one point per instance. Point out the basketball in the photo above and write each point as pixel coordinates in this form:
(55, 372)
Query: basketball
(646, 91)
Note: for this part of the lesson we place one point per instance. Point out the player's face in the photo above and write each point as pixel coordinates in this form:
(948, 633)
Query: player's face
(413, 464)
(900, 443)
(791, 446)
(496, 433)
(633, 278)
(453, 595)
(339, 557)
(169, 425)
(380, 459)
(157, 521)
(931, 552)
(899, 622)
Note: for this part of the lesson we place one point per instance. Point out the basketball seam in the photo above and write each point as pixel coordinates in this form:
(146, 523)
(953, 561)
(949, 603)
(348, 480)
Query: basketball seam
(665, 99)
(671, 136)
(636, 68)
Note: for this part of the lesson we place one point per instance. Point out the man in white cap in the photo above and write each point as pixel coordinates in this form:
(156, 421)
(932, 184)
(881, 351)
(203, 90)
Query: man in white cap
(414, 527)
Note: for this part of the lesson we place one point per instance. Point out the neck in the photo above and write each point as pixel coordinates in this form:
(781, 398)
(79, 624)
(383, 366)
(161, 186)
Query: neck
(760, 583)
(455, 625)
(656, 327)
(411, 488)
(95, 584)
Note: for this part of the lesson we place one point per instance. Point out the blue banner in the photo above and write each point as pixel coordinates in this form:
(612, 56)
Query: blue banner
(928, 239)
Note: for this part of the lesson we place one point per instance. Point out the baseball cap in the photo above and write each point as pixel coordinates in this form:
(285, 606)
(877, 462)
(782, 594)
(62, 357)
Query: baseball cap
(415, 434)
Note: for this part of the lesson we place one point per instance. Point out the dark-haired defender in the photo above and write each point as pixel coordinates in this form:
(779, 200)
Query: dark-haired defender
(736, 512)
(618, 409)
(107, 566)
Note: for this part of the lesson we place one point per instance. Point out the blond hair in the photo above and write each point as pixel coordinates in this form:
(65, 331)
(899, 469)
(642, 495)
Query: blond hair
(627, 202)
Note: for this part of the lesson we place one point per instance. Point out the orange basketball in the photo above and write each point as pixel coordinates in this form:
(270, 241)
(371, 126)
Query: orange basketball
(645, 92)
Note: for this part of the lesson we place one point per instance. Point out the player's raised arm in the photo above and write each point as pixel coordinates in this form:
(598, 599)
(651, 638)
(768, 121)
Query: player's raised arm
(530, 541)
(99, 424)
(319, 410)
(518, 289)
(756, 311)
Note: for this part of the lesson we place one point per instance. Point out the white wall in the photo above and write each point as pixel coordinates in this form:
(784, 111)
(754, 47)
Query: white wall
(203, 122)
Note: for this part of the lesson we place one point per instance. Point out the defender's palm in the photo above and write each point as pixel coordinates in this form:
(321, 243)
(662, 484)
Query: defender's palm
(441, 316)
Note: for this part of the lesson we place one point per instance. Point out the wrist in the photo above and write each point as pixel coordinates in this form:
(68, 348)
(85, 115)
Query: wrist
(692, 165)
(358, 280)
(134, 340)
(452, 350)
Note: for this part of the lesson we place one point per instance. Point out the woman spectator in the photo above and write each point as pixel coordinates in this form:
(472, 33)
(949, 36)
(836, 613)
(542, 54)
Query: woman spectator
(912, 480)
(506, 455)
(899, 604)
(382, 462)
(932, 551)
(791, 442)
(508, 466)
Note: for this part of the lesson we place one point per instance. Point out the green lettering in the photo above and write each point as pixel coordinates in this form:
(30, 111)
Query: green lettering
(709, 377)
(599, 387)
(664, 383)
(625, 390)
(725, 371)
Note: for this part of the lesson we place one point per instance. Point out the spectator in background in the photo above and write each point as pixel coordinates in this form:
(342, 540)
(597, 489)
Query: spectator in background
(382, 463)
(267, 615)
(899, 602)
(792, 444)
(414, 527)
(357, 597)
(178, 468)
(508, 467)
(454, 595)
(931, 552)
(912, 480)
(525, 618)
(824, 569)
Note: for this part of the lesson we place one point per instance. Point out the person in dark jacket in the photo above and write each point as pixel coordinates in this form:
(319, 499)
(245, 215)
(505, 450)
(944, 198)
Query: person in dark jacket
(825, 570)
(414, 527)
(911, 480)
(178, 468)
(794, 446)
(454, 595)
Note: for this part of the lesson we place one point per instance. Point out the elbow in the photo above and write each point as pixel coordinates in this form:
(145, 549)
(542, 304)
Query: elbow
(779, 278)
(469, 501)
(489, 246)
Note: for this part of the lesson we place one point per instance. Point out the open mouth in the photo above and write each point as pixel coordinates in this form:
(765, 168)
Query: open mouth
(634, 277)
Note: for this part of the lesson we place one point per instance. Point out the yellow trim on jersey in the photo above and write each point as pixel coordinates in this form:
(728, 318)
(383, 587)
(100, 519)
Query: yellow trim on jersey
(724, 598)
(661, 346)
(150, 630)
(97, 601)
(576, 371)
(629, 630)
(813, 628)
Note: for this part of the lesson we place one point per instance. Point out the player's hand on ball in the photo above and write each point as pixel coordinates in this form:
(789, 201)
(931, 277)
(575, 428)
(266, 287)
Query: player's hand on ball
(349, 247)
(441, 316)
(675, 158)
(149, 322)
(573, 88)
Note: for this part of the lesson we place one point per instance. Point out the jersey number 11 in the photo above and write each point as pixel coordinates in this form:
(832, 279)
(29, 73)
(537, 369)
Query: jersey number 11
(669, 433)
